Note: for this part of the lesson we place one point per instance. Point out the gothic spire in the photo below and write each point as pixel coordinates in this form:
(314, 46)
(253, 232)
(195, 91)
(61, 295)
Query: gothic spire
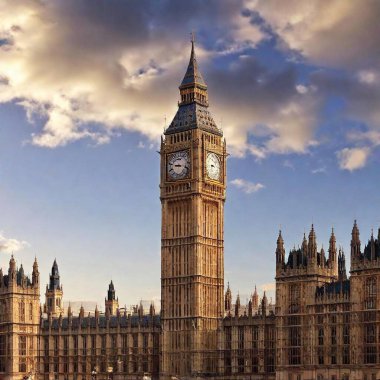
(193, 76)
(228, 299)
(111, 292)
(312, 242)
(54, 282)
(193, 105)
(355, 241)
(332, 247)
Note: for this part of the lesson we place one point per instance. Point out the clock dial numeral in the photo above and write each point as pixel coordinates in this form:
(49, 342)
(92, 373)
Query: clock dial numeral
(213, 166)
(179, 165)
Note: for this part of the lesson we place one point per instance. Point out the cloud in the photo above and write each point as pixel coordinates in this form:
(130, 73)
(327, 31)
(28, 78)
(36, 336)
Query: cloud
(367, 76)
(265, 104)
(353, 158)
(321, 34)
(85, 71)
(319, 170)
(246, 186)
(8, 245)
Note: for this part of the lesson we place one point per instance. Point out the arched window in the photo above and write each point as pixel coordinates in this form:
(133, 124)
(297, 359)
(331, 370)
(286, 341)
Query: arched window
(370, 293)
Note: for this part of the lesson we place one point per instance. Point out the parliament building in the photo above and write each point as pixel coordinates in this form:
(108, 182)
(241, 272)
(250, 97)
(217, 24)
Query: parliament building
(323, 325)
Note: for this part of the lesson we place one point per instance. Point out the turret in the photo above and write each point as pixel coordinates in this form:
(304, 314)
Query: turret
(141, 310)
(193, 87)
(332, 252)
(35, 274)
(304, 249)
(312, 245)
(264, 305)
(12, 271)
(152, 310)
(322, 258)
(54, 291)
(111, 302)
(355, 242)
(69, 311)
(237, 305)
(255, 299)
(81, 312)
(280, 253)
(342, 275)
(228, 299)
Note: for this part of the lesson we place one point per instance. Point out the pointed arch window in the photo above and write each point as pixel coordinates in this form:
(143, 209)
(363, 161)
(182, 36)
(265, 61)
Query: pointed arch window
(370, 293)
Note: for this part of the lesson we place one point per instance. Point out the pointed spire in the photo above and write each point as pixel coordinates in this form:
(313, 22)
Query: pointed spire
(322, 258)
(111, 292)
(96, 312)
(228, 299)
(193, 76)
(255, 299)
(332, 247)
(264, 304)
(35, 273)
(193, 110)
(355, 242)
(69, 312)
(250, 308)
(312, 245)
(342, 275)
(141, 310)
(237, 305)
(152, 310)
(280, 252)
(54, 281)
(81, 311)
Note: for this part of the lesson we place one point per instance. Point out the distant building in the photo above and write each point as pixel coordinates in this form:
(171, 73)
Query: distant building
(323, 325)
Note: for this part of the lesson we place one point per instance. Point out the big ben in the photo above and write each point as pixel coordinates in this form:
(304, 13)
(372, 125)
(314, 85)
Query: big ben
(193, 187)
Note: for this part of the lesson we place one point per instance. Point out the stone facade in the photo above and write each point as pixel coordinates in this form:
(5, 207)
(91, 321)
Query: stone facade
(323, 325)
(19, 321)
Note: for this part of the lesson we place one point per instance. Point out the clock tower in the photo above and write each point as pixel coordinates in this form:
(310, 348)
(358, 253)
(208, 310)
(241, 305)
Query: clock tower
(193, 187)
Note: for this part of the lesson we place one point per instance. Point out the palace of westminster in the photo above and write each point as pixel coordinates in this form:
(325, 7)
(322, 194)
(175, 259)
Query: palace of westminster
(324, 324)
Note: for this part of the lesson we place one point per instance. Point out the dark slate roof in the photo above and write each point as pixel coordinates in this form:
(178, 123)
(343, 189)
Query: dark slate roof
(193, 75)
(332, 288)
(135, 321)
(296, 255)
(372, 245)
(193, 116)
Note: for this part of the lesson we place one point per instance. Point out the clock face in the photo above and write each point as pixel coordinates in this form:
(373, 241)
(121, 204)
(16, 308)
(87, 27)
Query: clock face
(213, 166)
(179, 165)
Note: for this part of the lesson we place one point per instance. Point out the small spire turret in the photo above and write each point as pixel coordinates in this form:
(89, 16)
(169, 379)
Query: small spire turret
(228, 299)
(237, 305)
(255, 299)
(355, 242)
(312, 245)
(280, 252)
(35, 274)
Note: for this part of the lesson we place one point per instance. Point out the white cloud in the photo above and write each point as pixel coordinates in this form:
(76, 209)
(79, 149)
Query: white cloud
(321, 33)
(301, 88)
(319, 170)
(9, 245)
(246, 186)
(367, 76)
(90, 84)
(353, 158)
(371, 136)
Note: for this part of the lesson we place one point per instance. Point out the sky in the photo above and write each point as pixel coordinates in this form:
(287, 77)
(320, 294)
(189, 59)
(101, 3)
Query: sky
(88, 86)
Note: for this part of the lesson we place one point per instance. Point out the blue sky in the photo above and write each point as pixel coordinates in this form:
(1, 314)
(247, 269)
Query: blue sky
(84, 92)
